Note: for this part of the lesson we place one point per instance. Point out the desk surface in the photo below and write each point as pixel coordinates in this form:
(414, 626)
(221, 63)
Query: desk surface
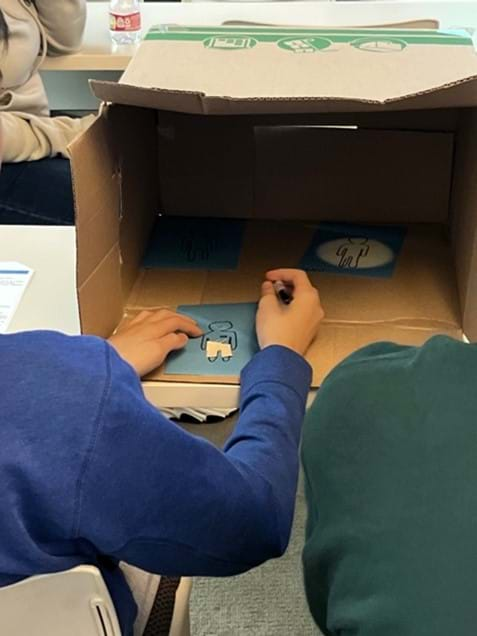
(50, 300)
(99, 54)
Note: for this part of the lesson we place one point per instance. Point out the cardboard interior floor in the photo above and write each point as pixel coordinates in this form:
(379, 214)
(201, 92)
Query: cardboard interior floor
(405, 154)
(419, 300)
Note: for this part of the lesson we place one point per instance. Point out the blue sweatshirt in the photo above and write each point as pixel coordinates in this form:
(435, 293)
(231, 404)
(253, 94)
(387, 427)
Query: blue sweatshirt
(92, 473)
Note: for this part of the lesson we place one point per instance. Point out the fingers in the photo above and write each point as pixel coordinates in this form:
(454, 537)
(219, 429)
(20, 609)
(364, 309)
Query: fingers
(296, 277)
(176, 322)
(155, 353)
(172, 342)
(161, 316)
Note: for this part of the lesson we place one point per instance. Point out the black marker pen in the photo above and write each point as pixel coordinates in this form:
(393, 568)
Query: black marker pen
(282, 291)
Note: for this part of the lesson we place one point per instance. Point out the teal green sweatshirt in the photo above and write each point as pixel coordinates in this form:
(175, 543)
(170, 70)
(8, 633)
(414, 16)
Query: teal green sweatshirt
(390, 458)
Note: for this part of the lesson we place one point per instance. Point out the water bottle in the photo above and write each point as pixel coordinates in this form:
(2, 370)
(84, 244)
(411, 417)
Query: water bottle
(125, 21)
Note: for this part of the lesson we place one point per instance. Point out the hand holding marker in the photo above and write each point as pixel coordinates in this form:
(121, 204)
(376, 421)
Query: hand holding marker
(283, 322)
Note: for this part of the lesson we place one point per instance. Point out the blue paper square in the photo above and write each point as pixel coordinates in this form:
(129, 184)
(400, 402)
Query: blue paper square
(194, 243)
(356, 250)
(232, 324)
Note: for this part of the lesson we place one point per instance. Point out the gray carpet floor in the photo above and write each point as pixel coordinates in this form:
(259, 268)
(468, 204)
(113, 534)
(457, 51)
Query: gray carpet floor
(269, 600)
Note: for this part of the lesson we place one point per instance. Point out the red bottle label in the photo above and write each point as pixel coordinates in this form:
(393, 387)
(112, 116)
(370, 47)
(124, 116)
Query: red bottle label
(130, 22)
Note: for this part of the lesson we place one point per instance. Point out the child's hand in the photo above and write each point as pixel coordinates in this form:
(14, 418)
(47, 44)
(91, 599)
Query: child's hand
(146, 341)
(295, 325)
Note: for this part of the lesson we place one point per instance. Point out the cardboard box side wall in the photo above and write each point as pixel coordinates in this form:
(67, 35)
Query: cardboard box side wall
(464, 219)
(135, 137)
(96, 185)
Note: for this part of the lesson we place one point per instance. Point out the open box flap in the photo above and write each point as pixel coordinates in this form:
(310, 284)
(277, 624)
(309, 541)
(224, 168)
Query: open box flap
(424, 23)
(227, 70)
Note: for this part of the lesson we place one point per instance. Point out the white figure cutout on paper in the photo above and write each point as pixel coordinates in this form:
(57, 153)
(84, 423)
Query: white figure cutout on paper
(220, 339)
(355, 253)
(351, 252)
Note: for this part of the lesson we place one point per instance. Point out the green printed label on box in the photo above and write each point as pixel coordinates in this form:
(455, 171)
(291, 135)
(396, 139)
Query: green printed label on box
(301, 40)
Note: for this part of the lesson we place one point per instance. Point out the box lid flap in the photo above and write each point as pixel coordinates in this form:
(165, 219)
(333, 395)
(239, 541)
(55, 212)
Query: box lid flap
(424, 23)
(234, 69)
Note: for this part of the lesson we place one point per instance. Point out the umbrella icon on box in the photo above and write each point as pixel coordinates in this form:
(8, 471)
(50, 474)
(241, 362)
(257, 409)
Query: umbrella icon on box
(373, 45)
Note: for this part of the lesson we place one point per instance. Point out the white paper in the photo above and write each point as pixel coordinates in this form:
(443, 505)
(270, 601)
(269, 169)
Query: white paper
(14, 279)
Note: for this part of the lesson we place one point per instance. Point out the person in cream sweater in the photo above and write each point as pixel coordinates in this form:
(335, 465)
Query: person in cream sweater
(35, 183)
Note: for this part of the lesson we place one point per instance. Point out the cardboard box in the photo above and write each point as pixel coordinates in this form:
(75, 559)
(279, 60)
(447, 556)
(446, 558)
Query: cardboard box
(286, 127)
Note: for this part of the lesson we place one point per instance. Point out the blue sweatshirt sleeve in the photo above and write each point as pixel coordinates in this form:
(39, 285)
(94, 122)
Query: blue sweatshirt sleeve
(171, 503)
